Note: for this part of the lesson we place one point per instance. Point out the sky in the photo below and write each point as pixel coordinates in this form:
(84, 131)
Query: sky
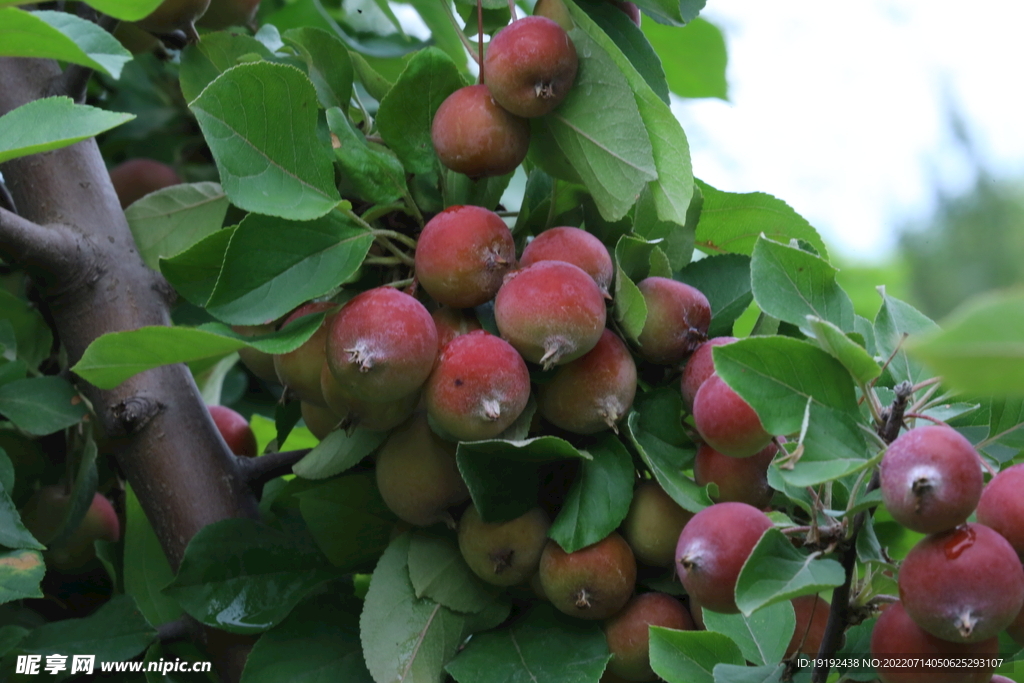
(843, 109)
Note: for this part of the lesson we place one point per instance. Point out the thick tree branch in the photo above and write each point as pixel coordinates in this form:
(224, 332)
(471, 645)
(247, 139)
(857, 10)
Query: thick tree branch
(258, 471)
(46, 248)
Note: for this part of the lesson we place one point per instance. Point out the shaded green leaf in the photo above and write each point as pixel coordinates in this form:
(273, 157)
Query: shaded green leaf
(438, 572)
(636, 47)
(376, 174)
(690, 656)
(169, 221)
(51, 123)
(21, 572)
(762, 636)
(194, 272)
(725, 281)
(203, 62)
(327, 64)
(857, 361)
(338, 452)
(41, 405)
(734, 673)
(32, 335)
(146, 570)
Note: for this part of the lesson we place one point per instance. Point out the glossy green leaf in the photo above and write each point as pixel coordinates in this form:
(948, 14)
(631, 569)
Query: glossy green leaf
(117, 631)
(628, 37)
(895, 323)
(778, 375)
(407, 111)
(438, 572)
(203, 62)
(41, 405)
(981, 349)
(725, 281)
(348, 520)
(338, 452)
(169, 221)
(541, 646)
(32, 334)
(51, 123)
(64, 36)
(375, 174)
(732, 223)
(776, 571)
(690, 656)
(245, 577)
(762, 636)
(318, 641)
(21, 572)
(790, 284)
(194, 272)
(502, 476)
(146, 570)
(857, 361)
(310, 258)
(599, 499)
(327, 64)
(695, 58)
(259, 120)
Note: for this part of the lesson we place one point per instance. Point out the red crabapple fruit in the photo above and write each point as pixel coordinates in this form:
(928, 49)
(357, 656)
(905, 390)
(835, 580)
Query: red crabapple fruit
(530, 66)
(964, 585)
(594, 582)
(739, 480)
(463, 254)
(44, 514)
(475, 136)
(699, 367)
(712, 549)
(235, 429)
(478, 388)
(593, 392)
(628, 637)
(1002, 506)
(381, 345)
(574, 246)
(551, 312)
(811, 619)
(135, 178)
(726, 422)
(931, 479)
(896, 636)
(678, 317)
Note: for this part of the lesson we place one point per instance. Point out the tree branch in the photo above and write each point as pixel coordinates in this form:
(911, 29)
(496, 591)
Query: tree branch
(259, 471)
(41, 247)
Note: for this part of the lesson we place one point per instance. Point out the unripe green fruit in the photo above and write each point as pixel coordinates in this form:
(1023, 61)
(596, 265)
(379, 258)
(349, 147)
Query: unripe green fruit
(593, 392)
(259, 362)
(175, 15)
(530, 66)
(628, 633)
(463, 254)
(135, 178)
(592, 583)
(417, 476)
(44, 513)
(473, 135)
(653, 524)
(299, 370)
(505, 553)
(319, 421)
(352, 412)
(551, 312)
(224, 13)
(556, 11)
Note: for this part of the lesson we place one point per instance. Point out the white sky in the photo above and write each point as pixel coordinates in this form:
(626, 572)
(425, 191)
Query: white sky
(841, 109)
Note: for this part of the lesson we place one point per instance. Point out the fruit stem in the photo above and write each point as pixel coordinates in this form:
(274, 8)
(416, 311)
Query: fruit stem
(399, 284)
(458, 30)
(399, 254)
(512, 10)
(397, 236)
(480, 37)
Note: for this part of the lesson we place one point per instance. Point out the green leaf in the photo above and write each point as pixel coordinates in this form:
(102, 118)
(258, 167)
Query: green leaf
(630, 308)
(599, 499)
(762, 636)
(203, 62)
(655, 430)
(834, 446)
(146, 570)
(245, 577)
(608, 145)
(541, 646)
(126, 10)
(895, 321)
(438, 572)
(31, 333)
(690, 656)
(674, 239)
(406, 638)
(790, 284)
(407, 111)
(260, 120)
(338, 452)
(778, 375)
(41, 405)
(327, 64)
(443, 33)
(981, 349)
(725, 281)
(60, 35)
(169, 221)
(695, 58)
(857, 361)
(733, 673)
(10, 636)
(348, 520)
(21, 572)
(628, 37)
(117, 631)
(776, 571)
(672, 12)
(194, 272)
(732, 222)
(502, 475)
(51, 123)
(376, 175)
(318, 641)
(310, 259)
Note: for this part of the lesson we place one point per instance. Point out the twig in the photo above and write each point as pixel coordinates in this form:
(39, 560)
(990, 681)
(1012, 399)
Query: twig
(49, 247)
(6, 200)
(458, 30)
(258, 471)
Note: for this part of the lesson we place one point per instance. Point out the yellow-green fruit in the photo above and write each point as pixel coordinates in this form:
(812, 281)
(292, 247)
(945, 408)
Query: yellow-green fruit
(320, 421)
(556, 11)
(506, 553)
(135, 40)
(175, 15)
(653, 525)
(44, 515)
(259, 362)
(417, 475)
